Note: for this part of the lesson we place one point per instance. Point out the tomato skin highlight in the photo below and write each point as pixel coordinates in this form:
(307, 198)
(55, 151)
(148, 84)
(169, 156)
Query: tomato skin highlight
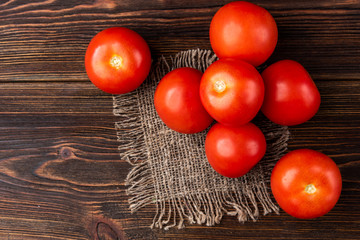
(243, 30)
(306, 183)
(232, 91)
(234, 151)
(117, 60)
(177, 101)
(291, 96)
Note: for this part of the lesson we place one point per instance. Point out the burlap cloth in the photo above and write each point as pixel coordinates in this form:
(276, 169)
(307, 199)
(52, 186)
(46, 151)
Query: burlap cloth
(170, 169)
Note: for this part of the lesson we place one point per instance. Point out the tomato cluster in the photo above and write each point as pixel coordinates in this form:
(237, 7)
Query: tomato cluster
(231, 91)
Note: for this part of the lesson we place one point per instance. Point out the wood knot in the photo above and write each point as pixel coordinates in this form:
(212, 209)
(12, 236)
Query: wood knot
(105, 232)
(65, 153)
(102, 228)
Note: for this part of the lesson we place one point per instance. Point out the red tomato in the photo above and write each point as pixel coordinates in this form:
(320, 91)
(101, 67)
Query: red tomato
(243, 30)
(233, 151)
(117, 60)
(306, 183)
(232, 91)
(291, 96)
(177, 101)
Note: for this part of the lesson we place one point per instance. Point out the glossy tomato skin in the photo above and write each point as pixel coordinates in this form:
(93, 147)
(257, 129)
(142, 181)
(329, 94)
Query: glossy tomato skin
(291, 96)
(117, 60)
(232, 91)
(306, 183)
(177, 101)
(234, 151)
(243, 30)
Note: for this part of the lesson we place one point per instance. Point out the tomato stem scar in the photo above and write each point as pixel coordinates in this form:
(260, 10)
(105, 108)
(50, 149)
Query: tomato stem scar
(310, 189)
(219, 86)
(116, 61)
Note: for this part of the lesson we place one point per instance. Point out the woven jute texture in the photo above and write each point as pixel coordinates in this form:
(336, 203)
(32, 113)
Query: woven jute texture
(170, 169)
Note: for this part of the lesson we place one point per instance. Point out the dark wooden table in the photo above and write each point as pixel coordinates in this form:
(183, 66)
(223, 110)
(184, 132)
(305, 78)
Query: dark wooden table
(60, 172)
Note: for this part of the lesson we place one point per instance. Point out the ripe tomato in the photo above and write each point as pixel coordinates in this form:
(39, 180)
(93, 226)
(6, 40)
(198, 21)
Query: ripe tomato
(117, 60)
(233, 151)
(243, 30)
(232, 91)
(291, 96)
(306, 183)
(177, 101)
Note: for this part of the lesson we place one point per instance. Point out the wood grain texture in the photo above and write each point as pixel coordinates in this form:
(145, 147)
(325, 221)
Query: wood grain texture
(60, 172)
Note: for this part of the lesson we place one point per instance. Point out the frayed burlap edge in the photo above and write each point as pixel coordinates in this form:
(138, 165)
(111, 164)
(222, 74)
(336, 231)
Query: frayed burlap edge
(203, 207)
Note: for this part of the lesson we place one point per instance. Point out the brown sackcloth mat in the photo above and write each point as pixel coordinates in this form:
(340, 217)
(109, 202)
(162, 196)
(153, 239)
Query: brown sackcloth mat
(170, 169)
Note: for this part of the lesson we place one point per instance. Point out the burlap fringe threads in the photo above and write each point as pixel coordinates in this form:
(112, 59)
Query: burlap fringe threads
(170, 169)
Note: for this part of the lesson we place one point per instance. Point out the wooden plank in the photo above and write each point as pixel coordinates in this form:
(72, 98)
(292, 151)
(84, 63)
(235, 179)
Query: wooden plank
(38, 40)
